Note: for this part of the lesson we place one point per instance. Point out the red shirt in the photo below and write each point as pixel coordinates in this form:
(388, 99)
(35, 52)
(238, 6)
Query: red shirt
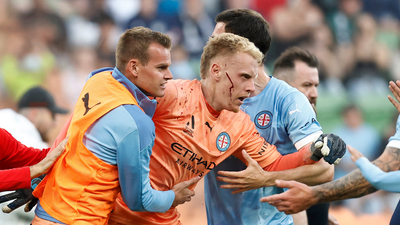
(15, 159)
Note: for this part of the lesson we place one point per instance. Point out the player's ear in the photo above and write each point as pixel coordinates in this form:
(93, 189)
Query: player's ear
(132, 66)
(215, 71)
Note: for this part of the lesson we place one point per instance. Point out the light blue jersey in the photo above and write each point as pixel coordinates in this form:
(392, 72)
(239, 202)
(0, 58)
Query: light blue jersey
(283, 116)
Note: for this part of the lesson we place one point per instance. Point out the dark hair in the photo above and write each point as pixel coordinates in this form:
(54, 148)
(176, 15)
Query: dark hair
(134, 43)
(287, 59)
(249, 24)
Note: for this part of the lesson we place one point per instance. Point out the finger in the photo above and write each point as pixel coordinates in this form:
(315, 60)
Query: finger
(30, 205)
(354, 152)
(325, 149)
(318, 144)
(395, 104)
(190, 193)
(231, 174)
(229, 180)
(191, 181)
(240, 190)
(60, 148)
(8, 197)
(273, 199)
(394, 88)
(232, 186)
(247, 157)
(16, 204)
(6, 209)
(285, 209)
(285, 184)
(280, 204)
(337, 161)
(351, 150)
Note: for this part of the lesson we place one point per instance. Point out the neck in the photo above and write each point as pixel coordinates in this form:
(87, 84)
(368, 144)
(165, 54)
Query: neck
(208, 90)
(261, 81)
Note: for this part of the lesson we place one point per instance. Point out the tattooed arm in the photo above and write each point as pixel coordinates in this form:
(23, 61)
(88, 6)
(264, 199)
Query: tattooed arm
(300, 196)
(354, 185)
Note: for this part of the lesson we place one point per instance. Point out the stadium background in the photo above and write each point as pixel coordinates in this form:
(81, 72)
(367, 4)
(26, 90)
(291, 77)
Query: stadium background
(56, 43)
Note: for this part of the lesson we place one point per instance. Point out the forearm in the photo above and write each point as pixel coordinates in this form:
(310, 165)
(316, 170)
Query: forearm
(133, 169)
(318, 173)
(314, 174)
(354, 184)
(291, 161)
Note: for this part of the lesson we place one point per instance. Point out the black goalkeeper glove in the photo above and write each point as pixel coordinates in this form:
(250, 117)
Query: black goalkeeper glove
(330, 147)
(21, 196)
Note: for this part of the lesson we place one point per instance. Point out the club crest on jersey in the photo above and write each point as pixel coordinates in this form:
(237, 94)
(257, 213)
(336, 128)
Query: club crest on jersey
(223, 141)
(263, 119)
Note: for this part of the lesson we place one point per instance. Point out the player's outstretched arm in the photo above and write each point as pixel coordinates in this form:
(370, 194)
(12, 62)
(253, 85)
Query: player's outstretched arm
(300, 197)
(254, 177)
(182, 192)
(327, 146)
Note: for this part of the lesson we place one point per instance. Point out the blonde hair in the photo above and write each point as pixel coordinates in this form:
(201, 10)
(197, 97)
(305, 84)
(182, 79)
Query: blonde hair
(227, 44)
(134, 43)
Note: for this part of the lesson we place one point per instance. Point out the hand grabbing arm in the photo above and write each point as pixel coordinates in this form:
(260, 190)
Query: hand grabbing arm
(182, 192)
(254, 177)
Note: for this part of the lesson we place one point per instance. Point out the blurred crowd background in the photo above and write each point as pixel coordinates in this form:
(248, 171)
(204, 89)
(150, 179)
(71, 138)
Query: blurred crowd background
(57, 43)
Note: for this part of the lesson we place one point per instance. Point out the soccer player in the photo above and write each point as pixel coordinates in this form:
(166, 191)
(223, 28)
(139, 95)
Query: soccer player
(299, 68)
(283, 116)
(111, 137)
(199, 124)
(300, 196)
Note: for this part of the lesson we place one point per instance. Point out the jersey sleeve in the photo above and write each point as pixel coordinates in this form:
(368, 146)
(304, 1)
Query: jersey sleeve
(133, 159)
(300, 119)
(258, 149)
(376, 177)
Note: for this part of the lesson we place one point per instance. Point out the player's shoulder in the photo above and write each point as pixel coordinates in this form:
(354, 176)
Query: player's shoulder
(180, 83)
(178, 87)
(178, 93)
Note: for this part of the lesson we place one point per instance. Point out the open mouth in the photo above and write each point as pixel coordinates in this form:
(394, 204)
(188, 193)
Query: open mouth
(241, 99)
